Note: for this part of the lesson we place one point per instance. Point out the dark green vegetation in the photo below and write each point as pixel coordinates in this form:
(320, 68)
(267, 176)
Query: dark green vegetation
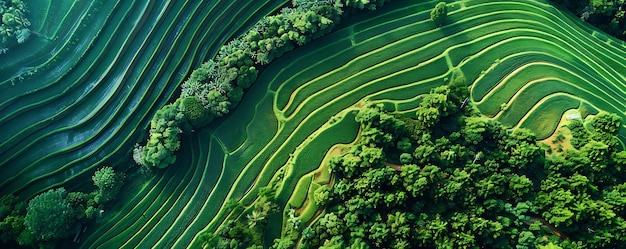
(84, 97)
(608, 15)
(56, 214)
(469, 182)
(14, 25)
(164, 137)
(439, 13)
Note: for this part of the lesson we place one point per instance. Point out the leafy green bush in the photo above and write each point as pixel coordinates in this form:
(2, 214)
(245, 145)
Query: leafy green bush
(606, 123)
(13, 232)
(14, 27)
(164, 138)
(321, 195)
(439, 13)
(109, 184)
(195, 113)
(50, 216)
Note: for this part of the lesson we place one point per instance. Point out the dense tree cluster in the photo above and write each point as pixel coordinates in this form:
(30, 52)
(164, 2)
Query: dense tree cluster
(600, 129)
(14, 27)
(445, 177)
(584, 188)
(217, 86)
(607, 15)
(108, 183)
(56, 214)
(245, 230)
(50, 215)
(167, 125)
(13, 232)
(219, 83)
(164, 138)
(357, 4)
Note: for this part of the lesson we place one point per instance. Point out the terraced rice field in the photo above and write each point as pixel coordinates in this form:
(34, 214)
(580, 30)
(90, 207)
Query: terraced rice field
(83, 96)
(101, 80)
(526, 54)
(92, 98)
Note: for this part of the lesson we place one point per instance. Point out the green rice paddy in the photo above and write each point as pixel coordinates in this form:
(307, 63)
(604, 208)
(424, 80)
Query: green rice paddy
(83, 99)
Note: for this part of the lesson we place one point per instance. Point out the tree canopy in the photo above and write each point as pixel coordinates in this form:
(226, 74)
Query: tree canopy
(15, 26)
(109, 184)
(49, 215)
(462, 180)
(54, 215)
(164, 141)
(607, 15)
(439, 13)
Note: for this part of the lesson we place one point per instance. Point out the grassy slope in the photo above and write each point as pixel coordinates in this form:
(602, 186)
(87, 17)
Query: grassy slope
(391, 56)
(82, 98)
(153, 217)
(118, 63)
(525, 53)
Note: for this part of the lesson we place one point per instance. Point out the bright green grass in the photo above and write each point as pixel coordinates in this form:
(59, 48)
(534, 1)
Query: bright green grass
(536, 91)
(300, 193)
(545, 117)
(308, 211)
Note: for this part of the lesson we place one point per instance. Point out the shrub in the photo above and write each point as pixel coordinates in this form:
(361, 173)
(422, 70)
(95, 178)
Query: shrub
(164, 137)
(439, 13)
(109, 183)
(50, 216)
(195, 113)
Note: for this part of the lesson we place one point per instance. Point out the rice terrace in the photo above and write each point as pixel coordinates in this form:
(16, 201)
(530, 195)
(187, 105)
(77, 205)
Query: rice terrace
(313, 124)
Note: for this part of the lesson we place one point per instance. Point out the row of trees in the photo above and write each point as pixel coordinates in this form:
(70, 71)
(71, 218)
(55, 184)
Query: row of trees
(56, 214)
(445, 177)
(218, 85)
(14, 27)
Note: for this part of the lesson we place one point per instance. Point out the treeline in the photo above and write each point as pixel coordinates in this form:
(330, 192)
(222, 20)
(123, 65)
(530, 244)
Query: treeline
(14, 27)
(217, 86)
(446, 177)
(607, 15)
(53, 216)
